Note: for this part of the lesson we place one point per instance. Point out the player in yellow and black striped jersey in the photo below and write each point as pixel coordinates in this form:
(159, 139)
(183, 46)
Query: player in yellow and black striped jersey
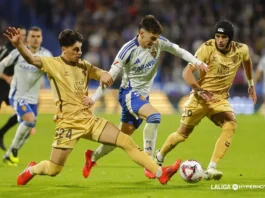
(69, 77)
(210, 94)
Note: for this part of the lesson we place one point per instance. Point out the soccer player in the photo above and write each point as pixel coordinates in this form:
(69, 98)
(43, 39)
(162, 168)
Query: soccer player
(210, 94)
(261, 69)
(24, 92)
(138, 59)
(5, 80)
(69, 76)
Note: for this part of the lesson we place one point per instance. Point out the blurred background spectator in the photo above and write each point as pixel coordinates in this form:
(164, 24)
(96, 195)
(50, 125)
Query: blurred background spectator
(108, 24)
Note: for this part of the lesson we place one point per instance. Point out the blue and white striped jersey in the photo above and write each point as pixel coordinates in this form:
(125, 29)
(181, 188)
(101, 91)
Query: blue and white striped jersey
(139, 65)
(27, 78)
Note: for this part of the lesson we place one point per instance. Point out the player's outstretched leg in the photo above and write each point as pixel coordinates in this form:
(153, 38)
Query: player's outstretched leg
(26, 175)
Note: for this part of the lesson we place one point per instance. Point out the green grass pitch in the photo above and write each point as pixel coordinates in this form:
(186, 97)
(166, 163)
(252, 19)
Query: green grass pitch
(117, 176)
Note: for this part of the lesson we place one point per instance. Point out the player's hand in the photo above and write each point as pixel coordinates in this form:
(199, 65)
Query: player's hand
(88, 101)
(205, 95)
(13, 35)
(201, 66)
(252, 94)
(106, 79)
(8, 79)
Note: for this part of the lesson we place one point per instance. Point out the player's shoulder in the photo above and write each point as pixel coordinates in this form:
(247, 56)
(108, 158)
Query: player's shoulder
(128, 47)
(207, 47)
(84, 64)
(45, 52)
(240, 46)
(209, 44)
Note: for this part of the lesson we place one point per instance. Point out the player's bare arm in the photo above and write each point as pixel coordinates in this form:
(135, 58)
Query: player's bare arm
(189, 77)
(106, 79)
(251, 87)
(14, 37)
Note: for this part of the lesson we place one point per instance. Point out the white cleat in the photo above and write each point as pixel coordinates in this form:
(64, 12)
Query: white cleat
(157, 161)
(212, 173)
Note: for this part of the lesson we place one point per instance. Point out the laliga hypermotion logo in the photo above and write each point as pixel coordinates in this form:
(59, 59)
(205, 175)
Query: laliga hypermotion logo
(236, 187)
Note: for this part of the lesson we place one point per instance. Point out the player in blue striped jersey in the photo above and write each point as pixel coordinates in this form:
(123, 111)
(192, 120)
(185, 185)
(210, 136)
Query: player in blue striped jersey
(24, 92)
(138, 60)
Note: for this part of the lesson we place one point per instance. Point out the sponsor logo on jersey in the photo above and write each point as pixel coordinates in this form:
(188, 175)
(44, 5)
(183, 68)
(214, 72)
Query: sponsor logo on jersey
(66, 73)
(140, 68)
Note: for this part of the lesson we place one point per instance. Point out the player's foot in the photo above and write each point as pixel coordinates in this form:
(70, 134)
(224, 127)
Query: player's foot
(88, 164)
(7, 160)
(149, 174)
(168, 172)
(212, 173)
(14, 156)
(2, 146)
(157, 161)
(25, 176)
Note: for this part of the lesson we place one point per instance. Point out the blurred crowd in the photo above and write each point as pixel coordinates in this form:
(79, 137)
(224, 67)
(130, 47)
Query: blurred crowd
(108, 24)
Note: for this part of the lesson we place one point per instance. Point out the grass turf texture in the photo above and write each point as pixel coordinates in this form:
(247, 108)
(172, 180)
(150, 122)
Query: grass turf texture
(117, 176)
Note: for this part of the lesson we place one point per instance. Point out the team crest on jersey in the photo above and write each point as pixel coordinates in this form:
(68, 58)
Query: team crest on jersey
(142, 98)
(24, 108)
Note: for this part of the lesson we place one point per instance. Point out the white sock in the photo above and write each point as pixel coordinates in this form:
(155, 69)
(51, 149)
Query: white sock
(23, 140)
(149, 136)
(159, 172)
(101, 151)
(159, 157)
(212, 165)
(22, 130)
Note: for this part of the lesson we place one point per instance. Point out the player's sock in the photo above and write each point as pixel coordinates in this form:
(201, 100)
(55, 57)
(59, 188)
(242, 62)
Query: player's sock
(224, 141)
(150, 133)
(46, 168)
(101, 151)
(172, 141)
(136, 154)
(149, 137)
(22, 130)
(23, 140)
(212, 165)
(12, 121)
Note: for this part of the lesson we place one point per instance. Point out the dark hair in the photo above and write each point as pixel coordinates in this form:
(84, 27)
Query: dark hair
(150, 24)
(69, 37)
(35, 28)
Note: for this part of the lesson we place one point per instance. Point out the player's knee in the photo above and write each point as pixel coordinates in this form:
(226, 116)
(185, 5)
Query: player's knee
(154, 118)
(229, 128)
(30, 124)
(125, 142)
(54, 169)
(184, 131)
(180, 136)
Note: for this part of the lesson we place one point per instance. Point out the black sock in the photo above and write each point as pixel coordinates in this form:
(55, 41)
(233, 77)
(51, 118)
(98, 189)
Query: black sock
(12, 121)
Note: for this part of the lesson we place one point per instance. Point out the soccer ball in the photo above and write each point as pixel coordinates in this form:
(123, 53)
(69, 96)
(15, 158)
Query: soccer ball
(191, 171)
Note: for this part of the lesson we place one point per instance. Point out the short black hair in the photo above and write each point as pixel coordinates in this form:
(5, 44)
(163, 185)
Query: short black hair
(150, 24)
(69, 37)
